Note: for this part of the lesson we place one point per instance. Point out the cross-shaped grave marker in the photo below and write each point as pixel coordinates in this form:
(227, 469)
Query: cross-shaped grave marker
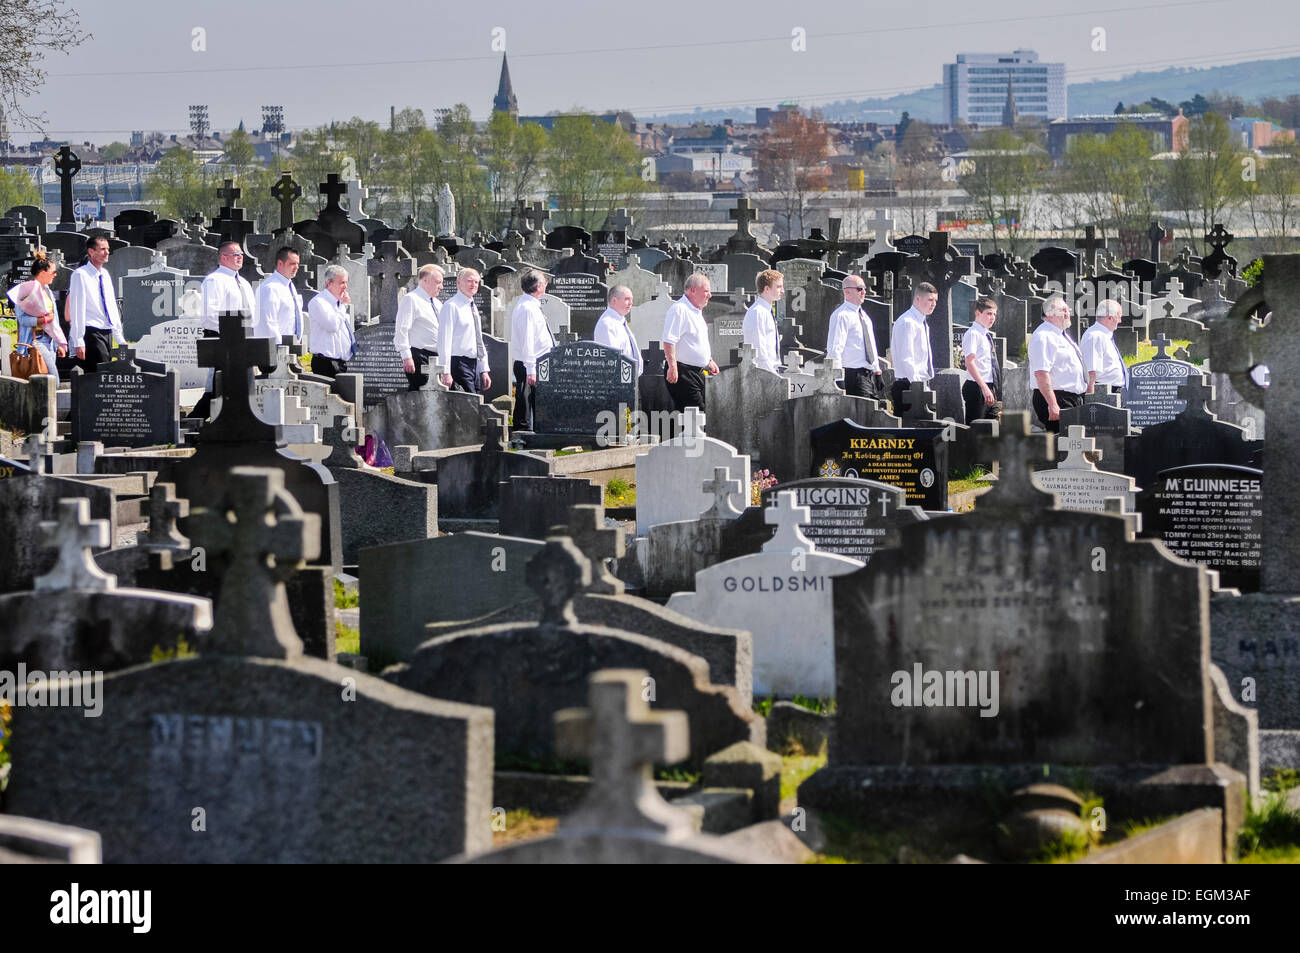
(722, 487)
(693, 420)
(623, 739)
(39, 448)
(538, 216)
(286, 191)
(164, 510)
(266, 538)
(744, 215)
(557, 574)
(1016, 449)
(1196, 391)
(228, 193)
(1162, 343)
(343, 437)
(74, 534)
(1089, 245)
(289, 417)
(333, 188)
(1157, 235)
(357, 193)
(787, 516)
(391, 270)
(235, 355)
(586, 527)
(1077, 445)
(1219, 237)
(918, 401)
(827, 374)
(66, 165)
(619, 220)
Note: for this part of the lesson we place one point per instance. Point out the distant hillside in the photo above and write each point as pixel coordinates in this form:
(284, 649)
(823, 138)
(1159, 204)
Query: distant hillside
(1251, 81)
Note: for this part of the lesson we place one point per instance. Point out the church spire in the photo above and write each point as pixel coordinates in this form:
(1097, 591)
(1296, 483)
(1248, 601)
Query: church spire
(1009, 115)
(505, 101)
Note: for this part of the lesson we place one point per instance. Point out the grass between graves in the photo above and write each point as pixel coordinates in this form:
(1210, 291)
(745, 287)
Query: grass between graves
(6, 716)
(619, 492)
(1147, 352)
(1272, 829)
(513, 827)
(343, 599)
(9, 326)
(960, 481)
(346, 639)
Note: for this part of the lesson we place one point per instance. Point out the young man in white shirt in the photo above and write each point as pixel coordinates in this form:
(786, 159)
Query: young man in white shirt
(759, 327)
(851, 341)
(613, 329)
(686, 345)
(461, 352)
(279, 305)
(1057, 365)
(332, 340)
(226, 290)
(93, 318)
(909, 343)
(1101, 357)
(530, 339)
(415, 335)
(983, 390)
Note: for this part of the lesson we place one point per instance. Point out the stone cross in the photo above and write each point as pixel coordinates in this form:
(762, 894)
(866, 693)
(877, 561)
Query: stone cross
(787, 516)
(514, 246)
(333, 188)
(826, 375)
(1169, 309)
(392, 271)
(235, 355)
(164, 510)
(356, 195)
(557, 574)
(1196, 392)
(1157, 235)
(538, 216)
(722, 488)
(1219, 237)
(1017, 449)
(882, 225)
(619, 220)
(597, 542)
(74, 534)
(919, 402)
(693, 420)
(286, 191)
(343, 437)
(1162, 343)
(66, 165)
(228, 193)
(743, 214)
(289, 417)
(122, 354)
(623, 739)
(1076, 445)
(495, 435)
(1174, 288)
(38, 447)
(265, 537)
(1089, 245)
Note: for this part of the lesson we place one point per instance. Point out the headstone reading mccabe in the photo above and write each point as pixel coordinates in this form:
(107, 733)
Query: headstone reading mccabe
(577, 382)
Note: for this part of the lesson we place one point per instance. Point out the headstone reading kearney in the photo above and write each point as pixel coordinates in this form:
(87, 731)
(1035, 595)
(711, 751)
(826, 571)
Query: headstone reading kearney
(578, 383)
(914, 459)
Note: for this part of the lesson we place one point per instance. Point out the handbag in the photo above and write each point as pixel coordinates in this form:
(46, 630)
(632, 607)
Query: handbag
(26, 360)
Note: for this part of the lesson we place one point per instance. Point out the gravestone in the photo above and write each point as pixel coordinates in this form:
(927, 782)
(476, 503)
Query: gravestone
(1152, 395)
(913, 459)
(739, 396)
(124, 406)
(1076, 482)
(531, 505)
(432, 418)
(1104, 422)
(579, 384)
(668, 477)
(149, 297)
(586, 296)
(1213, 515)
(782, 596)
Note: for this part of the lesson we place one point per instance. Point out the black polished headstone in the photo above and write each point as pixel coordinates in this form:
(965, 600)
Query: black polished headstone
(914, 459)
(579, 384)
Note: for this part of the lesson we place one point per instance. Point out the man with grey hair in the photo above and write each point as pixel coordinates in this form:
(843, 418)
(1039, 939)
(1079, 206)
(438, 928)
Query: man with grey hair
(615, 331)
(461, 351)
(686, 345)
(332, 341)
(1057, 365)
(530, 339)
(1101, 357)
(415, 336)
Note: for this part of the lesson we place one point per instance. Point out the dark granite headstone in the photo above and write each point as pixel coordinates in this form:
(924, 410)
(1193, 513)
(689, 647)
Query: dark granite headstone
(577, 383)
(1152, 393)
(914, 459)
(122, 405)
(532, 505)
(1209, 514)
(580, 292)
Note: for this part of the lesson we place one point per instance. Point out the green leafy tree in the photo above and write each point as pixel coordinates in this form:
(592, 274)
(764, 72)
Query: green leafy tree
(114, 152)
(179, 187)
(240, 152)
(593, 166)
(17, 188)
(1113, 184)
(1005, 184)
(314, 158)
(1206, 179)
(515, 155)
(458, 166)
(411, 157)
(1273, 198)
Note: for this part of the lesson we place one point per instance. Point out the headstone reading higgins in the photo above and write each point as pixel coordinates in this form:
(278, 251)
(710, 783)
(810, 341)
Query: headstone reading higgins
(579, 381)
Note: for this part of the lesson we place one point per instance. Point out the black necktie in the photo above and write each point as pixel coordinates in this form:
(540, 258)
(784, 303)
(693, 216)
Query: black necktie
(868, 348)
(996, 365)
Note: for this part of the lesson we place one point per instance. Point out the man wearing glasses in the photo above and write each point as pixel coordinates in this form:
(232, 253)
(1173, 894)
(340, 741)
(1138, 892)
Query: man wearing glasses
(225, 290)
(1057, 365)
(851, 341)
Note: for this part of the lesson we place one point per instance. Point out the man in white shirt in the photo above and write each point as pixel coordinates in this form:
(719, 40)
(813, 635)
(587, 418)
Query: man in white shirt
(461, 351)
(1101, 357)
(613, 329)
(93, 318)
(851, 341)
(226, 290)
(759, 328)
(416, 333)
(332, 340)
(686, 345)
(1057, 365)
(983, 390)
(279, 305)
(909, 343)
(530, 339)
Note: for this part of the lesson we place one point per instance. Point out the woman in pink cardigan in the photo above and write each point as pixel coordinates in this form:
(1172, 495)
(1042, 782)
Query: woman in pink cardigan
(34, 306)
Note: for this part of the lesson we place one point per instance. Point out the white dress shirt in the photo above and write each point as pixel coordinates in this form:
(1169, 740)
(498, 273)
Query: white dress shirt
(417, 323)
(909, 347)
(279, 309)
(530, 335)
(330, 326)
(86, 304)
(977, 343)
(613, 331)
(759, 330)
(1051, 350)
(844, 340)
(459, 333)
(226, 290)
(1101, 354)
(684, 327)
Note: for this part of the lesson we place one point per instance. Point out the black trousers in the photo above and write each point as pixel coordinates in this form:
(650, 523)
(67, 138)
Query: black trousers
(328, 366)
(860, 382)
(464, 374)
(421, 359)
(99, 346)
(896, 394)
(525, 398)
(1063, 398)
(976, 409)
(204, 405)
(689, 389)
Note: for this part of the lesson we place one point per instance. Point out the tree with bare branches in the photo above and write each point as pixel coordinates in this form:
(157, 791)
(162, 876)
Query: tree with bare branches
(32, 29)
(792, 163)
